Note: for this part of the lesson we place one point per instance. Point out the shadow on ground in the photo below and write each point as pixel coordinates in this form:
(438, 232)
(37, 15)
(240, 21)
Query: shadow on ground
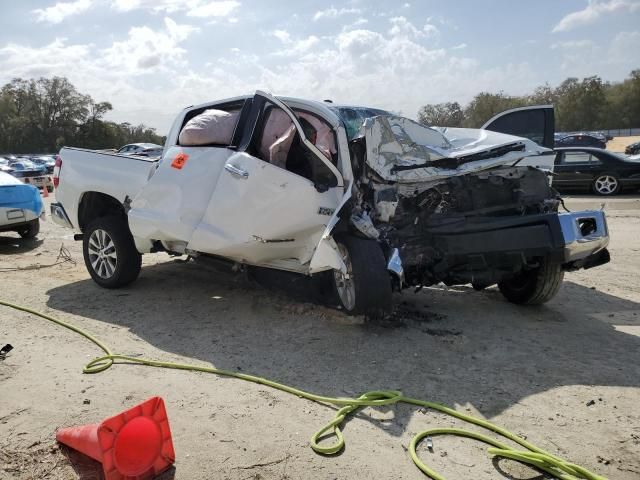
(11, 245)
(456, 346)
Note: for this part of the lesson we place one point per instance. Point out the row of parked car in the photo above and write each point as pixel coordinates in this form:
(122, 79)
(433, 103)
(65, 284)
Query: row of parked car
(35, 170)
(23, 176)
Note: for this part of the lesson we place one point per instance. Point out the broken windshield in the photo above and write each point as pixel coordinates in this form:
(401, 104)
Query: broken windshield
(354, 117)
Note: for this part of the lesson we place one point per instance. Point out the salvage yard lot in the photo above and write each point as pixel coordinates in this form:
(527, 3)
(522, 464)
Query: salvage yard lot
(566, 375)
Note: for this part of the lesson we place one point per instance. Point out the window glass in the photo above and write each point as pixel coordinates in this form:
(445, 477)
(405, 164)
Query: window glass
(354, 117)
(280, 144)
(576, 157)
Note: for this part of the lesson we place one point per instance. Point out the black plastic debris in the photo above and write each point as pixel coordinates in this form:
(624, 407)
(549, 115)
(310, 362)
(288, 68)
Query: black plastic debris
(5, 350)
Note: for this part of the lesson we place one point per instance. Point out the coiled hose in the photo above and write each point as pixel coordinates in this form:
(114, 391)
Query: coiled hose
(531, 455)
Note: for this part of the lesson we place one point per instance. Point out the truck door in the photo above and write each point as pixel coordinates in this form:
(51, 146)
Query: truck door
(275, 195)
(536, 123)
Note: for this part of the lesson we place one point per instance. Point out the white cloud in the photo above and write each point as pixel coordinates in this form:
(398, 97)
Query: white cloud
(146, 49)
(401, 26)
(573, 44)
(583, 58)
(193, 8)
(460, 46)
(593, 11)
(622, 44)
(282, 35)
(214, 9)
(333, 12)
(61, 10)
(294, 47)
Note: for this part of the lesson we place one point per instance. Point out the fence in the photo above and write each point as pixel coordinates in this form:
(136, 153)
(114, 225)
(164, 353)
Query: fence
(622, 132)
(616, 132)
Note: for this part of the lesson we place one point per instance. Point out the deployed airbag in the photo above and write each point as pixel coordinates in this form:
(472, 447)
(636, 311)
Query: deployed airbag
(210, 127)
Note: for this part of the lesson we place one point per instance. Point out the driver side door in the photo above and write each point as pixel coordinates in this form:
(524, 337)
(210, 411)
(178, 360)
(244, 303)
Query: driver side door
(265, 210)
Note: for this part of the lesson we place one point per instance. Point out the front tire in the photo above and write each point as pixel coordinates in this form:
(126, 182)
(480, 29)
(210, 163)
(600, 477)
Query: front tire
(110, 253)
(366, 287)
(533, 287)
(31, 230)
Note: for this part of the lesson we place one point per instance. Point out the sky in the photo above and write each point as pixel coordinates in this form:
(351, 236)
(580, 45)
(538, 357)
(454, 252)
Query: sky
(152, 58)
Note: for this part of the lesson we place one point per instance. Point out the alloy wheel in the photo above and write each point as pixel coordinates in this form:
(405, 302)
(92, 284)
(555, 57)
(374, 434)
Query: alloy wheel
(606, 184)
(102, 253)
(344, 281)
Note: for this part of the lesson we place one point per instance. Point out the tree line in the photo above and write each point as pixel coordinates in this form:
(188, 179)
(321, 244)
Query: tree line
(43, 115)
(587, 104)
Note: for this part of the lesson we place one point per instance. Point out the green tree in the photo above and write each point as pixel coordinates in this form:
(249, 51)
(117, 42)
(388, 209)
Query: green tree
(485, 105)
(45, 114)
(448, 114)
(581, 104)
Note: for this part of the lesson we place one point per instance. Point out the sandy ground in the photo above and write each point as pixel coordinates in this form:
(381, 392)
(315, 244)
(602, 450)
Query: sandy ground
(565, 375)
(618, 144)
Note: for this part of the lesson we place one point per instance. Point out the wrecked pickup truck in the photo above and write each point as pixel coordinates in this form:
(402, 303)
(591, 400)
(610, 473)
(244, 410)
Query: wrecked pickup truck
(369, 201)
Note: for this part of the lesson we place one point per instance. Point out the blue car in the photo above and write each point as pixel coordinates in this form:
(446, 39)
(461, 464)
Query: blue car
(20, 207)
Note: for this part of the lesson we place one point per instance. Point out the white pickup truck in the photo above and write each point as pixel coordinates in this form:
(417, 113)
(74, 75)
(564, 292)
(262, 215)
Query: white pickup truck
(370, 201)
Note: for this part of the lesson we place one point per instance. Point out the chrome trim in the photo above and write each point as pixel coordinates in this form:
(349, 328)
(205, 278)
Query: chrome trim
(395, 265)
(59, 216)
(578, 246)
(236, 171)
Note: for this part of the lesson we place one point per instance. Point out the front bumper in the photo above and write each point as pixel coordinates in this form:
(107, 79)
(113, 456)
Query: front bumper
(59, 216)
(585, 234)
(574, 240)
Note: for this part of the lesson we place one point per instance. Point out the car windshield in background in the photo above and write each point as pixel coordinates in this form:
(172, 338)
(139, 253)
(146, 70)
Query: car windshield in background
(354, 117)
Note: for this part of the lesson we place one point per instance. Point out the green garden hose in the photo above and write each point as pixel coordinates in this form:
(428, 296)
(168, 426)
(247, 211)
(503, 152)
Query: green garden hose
(532, 455)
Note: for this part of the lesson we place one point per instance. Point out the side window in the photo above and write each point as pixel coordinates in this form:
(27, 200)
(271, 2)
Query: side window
(325, 137)
(571, 158)
(279, 143)
(595, 160)
(213, 126)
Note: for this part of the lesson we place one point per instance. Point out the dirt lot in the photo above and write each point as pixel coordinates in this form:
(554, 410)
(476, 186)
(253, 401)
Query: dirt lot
(618, 144)
(565, 375)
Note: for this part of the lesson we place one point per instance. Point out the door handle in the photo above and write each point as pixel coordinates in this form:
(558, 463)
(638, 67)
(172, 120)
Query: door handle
(238, 172)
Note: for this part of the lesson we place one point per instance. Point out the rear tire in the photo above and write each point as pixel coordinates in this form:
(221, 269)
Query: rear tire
(110, 253)
(366, 289)
(533, 287)
(606, 184)
(31, 230)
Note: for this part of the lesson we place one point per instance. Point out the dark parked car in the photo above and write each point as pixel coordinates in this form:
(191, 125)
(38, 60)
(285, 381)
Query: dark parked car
(632, 149)
(581, 140)
(603, 172)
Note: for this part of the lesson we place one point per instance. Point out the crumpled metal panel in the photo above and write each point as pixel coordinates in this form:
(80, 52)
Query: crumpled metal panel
(394, 142)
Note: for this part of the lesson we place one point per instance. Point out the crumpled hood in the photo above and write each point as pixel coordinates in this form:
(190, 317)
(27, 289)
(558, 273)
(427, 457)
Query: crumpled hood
(401, 150)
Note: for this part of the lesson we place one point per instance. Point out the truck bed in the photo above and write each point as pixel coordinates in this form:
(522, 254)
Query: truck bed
(86, 170)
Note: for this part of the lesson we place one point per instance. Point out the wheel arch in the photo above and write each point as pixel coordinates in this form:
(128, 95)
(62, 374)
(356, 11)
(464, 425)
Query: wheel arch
(97, 204)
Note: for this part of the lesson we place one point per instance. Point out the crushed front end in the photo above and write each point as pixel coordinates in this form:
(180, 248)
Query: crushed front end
(460, 209)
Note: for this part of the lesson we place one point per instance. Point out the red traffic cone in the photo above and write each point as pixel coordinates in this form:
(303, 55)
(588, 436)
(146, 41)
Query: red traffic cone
(134, 445)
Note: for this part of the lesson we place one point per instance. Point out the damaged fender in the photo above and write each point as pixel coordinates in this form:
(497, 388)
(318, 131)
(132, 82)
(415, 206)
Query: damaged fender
(326, 255)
